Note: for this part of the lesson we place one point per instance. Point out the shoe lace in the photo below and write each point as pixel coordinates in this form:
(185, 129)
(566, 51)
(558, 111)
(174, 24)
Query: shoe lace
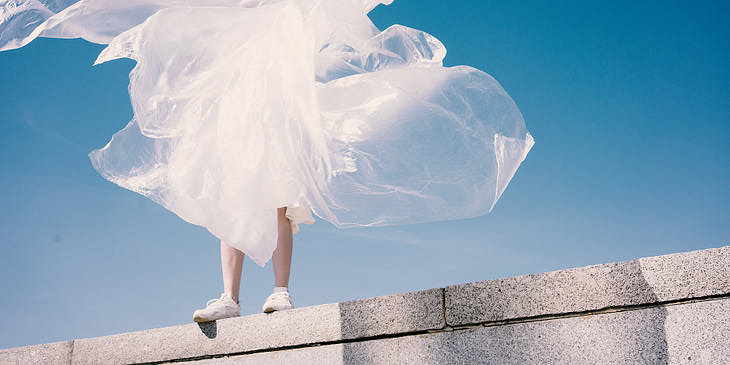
(214, 301)
(282, 295)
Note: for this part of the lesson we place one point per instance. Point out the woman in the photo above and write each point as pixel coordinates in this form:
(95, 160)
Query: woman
(250, 115)
(232, 262)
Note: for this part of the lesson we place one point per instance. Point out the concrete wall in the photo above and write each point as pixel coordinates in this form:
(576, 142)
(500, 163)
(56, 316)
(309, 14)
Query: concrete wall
(656, 310)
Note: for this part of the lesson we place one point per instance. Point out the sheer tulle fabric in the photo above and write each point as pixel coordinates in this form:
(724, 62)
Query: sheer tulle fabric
(241, 107)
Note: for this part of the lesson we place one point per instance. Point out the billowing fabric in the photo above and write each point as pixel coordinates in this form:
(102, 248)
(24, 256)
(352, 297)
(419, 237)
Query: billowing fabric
(241, 107)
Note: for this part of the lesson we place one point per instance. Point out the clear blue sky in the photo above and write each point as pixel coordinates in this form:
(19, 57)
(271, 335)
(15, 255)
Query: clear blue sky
(628, 102)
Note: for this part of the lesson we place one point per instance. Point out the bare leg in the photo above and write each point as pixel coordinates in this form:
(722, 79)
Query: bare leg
(282, 254)
(232, 264)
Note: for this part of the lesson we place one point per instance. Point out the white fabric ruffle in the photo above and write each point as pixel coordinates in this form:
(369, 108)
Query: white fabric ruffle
(241, 107)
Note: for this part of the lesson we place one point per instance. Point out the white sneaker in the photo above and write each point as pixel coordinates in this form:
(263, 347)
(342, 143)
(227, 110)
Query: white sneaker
(278, 301)
(223, 307)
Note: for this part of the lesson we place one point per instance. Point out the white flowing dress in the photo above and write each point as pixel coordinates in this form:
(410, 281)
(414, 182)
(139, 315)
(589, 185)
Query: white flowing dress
(241, 107)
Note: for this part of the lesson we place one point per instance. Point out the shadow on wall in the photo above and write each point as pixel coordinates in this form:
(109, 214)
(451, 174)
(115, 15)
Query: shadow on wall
(209, 329)
(636, 336)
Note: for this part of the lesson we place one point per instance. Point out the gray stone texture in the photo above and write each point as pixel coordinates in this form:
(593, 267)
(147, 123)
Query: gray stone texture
(397, 313)
(259, 331)
(50, 353)
(696, 333)
(644, 281)
(319, 355)
(544, 327)
(688, 274)
(389, 314)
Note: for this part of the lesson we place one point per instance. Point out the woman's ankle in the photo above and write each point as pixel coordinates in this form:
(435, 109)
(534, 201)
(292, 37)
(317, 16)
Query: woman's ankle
(234, 297)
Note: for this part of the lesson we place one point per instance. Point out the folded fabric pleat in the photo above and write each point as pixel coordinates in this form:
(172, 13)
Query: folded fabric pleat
(242, 107)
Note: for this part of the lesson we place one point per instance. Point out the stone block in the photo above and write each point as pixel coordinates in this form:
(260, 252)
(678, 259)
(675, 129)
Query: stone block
(232, 335)
(644, 281)
(389, 314)
(50, 353)
(686, 275)
(687, 333)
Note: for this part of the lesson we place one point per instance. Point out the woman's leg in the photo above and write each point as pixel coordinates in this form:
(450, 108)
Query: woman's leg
(282, 254)
(232, 264)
